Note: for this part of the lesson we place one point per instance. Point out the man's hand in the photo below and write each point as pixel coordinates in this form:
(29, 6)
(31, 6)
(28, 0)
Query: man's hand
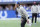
(21, 20)
(27, 21)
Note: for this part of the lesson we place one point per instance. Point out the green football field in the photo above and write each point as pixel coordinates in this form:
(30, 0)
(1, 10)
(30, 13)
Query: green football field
(15, 23)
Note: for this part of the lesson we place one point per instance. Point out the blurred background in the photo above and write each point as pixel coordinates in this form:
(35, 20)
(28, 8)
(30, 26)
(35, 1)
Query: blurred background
(8, 7)
(9, 13)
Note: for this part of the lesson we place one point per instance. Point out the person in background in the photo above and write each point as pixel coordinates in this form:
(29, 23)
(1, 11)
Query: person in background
(6, 7)
(29, 7)
(25, 6)
(34, 11)
(38, 9)
(10, 7)
(1, 8)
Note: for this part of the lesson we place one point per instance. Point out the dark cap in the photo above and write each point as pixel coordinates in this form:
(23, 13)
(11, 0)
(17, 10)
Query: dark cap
(18, 3)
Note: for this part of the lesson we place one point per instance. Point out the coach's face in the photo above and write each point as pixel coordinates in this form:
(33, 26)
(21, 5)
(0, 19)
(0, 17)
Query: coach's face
(34, 3)
(17, 5)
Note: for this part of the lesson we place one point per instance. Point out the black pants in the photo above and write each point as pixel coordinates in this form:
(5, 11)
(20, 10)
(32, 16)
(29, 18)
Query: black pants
(34, 15)
(23, 22)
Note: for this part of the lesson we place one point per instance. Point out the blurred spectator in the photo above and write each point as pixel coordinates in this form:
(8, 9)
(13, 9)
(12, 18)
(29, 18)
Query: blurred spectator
(1, 8)
(6, 7)
(29, 8)
(39, 8)
(25, 6)
(34, 10)
(10, 7)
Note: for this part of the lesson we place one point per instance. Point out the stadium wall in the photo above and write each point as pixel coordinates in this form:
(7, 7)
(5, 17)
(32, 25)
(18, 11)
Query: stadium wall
(11, 14)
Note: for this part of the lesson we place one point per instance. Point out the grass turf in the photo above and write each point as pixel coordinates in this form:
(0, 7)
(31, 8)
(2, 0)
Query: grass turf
(15, 23)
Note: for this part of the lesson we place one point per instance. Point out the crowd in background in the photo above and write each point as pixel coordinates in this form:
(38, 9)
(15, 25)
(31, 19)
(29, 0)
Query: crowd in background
(6, 7)
(11, 7)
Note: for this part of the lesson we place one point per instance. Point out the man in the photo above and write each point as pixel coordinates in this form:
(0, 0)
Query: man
(34, 10)
(23, 13)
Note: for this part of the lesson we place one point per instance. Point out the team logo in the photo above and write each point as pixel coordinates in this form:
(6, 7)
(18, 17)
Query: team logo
(1, 14)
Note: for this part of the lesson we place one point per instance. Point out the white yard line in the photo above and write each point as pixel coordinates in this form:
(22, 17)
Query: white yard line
(38, 19)
(11, 19)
